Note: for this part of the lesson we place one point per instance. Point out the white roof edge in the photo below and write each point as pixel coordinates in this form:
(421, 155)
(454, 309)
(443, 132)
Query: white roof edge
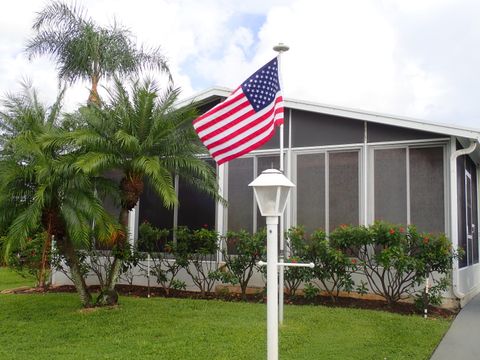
(205, 94)
(369, 116)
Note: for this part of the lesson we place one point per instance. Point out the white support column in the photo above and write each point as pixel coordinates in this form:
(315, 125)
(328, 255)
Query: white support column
(133, 224)
(365, 174)
(454, 210)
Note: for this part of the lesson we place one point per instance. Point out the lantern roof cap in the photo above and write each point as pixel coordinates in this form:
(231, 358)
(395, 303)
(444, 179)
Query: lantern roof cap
(271, 177)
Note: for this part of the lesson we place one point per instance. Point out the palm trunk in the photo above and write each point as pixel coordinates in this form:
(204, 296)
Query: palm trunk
(94, 98)
(131, 187)
(44, 263)
(109, 295)
(66, 247)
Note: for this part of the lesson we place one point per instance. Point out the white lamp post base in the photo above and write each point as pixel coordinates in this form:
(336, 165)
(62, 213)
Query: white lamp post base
(272, 287)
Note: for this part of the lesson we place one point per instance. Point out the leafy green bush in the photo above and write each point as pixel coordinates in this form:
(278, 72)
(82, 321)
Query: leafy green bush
(298, 253)
(196, 252)
(310, 291)
(163, 266)
(151, 239)
(333, 267)
(249, 249)
(395, 260)
(33, 258)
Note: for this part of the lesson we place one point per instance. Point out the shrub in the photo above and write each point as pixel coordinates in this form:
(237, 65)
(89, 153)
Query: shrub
(196, 253)
(310, 291)
(394, 259)
(333, 268)
(434, 254)
(33, 258)
(298, 252)
(152, 239)
(163, 267)
(249, 249)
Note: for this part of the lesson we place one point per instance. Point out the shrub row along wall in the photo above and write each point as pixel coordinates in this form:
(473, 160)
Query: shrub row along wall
(388, 260)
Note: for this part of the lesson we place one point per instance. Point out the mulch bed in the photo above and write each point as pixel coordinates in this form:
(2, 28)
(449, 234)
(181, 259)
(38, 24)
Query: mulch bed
(345, 302)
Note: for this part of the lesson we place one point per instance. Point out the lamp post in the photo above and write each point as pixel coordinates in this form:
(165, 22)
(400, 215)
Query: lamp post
(271, 190)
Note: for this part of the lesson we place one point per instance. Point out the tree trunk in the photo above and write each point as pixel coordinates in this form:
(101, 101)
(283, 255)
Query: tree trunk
(108, 295)
(131, 187)
(94, 98)
(44, 265)
(66, 247)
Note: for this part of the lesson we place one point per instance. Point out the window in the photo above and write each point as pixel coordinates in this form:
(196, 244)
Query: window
(196, 208)
(341, 190)
(311, 204)
(343, 184)
(409, 187)
(240, 196)
(427, 198)
(390, 181)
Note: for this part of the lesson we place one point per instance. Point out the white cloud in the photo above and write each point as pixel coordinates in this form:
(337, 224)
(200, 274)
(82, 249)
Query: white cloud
(407, 57)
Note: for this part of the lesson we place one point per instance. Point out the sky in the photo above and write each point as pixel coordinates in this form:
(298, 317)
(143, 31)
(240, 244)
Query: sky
(411, 58)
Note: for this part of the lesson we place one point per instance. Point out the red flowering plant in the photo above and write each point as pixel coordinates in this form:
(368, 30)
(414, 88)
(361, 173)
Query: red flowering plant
(396, 259)
(434, 258)
(241, 259)
(297, 250)
(158, 244)
(333, 265)
(196, 253)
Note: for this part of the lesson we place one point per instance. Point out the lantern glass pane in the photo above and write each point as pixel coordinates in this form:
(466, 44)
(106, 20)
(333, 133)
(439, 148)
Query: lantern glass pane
(266, 199)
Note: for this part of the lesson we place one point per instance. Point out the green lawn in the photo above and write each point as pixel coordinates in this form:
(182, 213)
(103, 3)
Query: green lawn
(52, 327)
(10, 279)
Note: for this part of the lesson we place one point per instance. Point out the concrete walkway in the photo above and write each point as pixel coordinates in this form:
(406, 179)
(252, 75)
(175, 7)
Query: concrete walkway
(462, 341)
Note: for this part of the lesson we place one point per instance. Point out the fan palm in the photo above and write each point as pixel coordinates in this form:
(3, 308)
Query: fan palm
(83, 50)
(145, 138)
(42, 188)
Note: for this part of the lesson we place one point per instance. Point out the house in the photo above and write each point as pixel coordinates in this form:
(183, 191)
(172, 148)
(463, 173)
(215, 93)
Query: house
(349, 166)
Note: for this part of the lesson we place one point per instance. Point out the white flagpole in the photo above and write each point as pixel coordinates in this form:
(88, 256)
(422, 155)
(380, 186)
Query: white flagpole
(280, 48)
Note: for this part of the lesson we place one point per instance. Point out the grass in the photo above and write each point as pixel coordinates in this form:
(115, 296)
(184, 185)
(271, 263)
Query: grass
(10, 279)
(51, 326)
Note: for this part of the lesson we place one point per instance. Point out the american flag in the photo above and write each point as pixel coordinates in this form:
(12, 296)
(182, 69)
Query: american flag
(246, 119)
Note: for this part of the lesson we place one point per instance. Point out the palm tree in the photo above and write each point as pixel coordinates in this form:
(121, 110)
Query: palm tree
(42, 188)
(83, 50)
(145, 138)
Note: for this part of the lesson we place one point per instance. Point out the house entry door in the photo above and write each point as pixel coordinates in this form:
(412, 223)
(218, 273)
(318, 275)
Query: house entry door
(470, 226)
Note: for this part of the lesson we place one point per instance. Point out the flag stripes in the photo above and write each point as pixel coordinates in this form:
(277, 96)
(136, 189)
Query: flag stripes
(246, 119)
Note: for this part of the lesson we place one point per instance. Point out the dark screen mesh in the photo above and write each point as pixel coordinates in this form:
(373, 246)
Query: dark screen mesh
(427, 207)
(240, 196)
(311, 191)
(343, 189)
(390, 181)
(196, 208)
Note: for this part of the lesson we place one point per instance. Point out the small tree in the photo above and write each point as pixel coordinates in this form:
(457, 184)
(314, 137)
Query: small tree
(297, 249)
(162, 252)
(241, 263)
(196, 252)
(395, 259)
(333, 267)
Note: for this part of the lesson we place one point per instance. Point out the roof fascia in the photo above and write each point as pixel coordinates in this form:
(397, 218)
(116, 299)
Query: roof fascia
(446, 129)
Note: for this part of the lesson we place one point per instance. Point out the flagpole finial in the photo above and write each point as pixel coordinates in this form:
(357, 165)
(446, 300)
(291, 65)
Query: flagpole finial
(281, 47)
